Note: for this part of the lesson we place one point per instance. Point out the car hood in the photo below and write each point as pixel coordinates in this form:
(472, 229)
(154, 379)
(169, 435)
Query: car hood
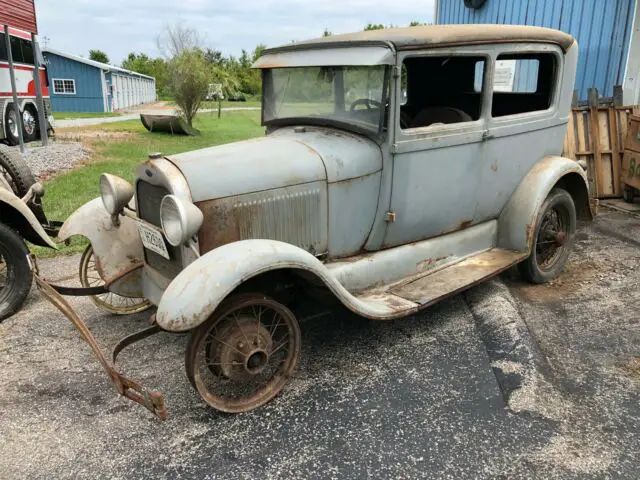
(284, 158)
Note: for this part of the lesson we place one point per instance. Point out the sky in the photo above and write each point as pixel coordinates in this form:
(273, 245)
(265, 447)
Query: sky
(121, 26)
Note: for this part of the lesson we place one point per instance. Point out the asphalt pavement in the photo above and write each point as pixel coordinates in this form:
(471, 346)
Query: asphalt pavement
(421, 397)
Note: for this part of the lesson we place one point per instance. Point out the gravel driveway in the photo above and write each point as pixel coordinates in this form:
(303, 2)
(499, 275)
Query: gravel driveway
(410, 398)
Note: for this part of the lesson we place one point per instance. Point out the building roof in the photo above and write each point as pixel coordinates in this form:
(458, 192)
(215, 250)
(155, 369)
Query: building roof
(93, 63)
(432, 36)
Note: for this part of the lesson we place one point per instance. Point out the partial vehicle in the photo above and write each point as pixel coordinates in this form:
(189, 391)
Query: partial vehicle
(22, 52)
(237, 97)
(399, 167)
(21, 218)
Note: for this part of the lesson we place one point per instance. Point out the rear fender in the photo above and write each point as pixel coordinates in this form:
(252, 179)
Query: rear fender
(118, 250)
(517, 222)
(198, 290)
(16, 214)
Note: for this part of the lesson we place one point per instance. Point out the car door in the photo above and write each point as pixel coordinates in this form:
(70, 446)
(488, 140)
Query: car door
(439, 142)
(525, 123)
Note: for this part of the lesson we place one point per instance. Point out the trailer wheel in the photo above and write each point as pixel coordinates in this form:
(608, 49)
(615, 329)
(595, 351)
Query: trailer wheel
(15, 171)
(15, 273)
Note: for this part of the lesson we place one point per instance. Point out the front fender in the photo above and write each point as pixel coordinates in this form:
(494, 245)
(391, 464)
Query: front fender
(516, 224)
(20, 217)
(198, 290)
(117, 249)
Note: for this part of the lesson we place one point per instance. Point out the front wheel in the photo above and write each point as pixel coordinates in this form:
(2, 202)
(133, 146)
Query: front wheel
(555, 229)
(15, 273)
(244, 354)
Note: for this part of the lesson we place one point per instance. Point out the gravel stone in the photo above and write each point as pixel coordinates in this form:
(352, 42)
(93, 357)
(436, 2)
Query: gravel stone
(55, 157)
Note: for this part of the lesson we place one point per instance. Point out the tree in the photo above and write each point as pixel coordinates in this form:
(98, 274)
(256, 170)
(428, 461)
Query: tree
(417, 23)
(188, 81)
(214, 57)
(174, 39)
(98, 56)
(227, 82)
(373, 26)
(154, 67)
(326, 32)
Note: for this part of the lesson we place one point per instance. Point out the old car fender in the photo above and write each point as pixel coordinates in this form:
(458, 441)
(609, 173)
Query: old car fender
(197, 291)
(20, 217)
(118, 250)
(516, 224)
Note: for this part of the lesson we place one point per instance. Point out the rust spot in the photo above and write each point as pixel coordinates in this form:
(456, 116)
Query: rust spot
(464, 224)
(219, 226)
(427, 262)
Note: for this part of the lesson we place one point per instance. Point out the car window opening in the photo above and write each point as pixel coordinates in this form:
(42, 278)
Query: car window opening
(523, 83)
(440, 90)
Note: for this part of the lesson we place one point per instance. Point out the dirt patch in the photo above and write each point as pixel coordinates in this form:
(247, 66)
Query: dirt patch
(86, 134)
(631, 367)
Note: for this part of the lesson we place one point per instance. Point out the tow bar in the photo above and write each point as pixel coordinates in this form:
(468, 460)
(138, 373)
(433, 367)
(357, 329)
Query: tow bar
(150, 399)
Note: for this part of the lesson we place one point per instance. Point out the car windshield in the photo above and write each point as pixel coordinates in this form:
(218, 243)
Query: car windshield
(349, 95)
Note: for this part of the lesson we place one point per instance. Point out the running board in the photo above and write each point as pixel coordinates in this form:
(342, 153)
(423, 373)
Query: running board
(408, 296)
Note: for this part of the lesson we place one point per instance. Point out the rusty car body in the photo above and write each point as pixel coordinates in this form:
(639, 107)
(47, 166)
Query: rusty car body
(399, 166)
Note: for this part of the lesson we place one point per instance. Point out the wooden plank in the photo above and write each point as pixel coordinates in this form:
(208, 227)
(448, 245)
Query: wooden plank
(597, 156)
(616, 158)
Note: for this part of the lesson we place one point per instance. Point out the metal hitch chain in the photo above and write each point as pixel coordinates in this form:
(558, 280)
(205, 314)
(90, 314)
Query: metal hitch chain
(152, 400)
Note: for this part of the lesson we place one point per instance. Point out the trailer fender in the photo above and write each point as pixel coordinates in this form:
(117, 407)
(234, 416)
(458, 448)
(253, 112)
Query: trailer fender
(198, 290)
(17, 215)
(118, 250)
(517, 221)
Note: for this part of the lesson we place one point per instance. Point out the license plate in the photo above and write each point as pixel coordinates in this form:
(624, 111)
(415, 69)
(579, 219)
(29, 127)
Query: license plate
(152, 239)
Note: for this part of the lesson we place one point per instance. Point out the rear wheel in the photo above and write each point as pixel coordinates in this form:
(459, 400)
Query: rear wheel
(555, 229)
(29, 124)
(244, 354)
(11, 126)
(15, 273)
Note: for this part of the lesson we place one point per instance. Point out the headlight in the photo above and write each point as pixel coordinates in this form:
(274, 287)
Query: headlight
(116, 193)
(180, 220)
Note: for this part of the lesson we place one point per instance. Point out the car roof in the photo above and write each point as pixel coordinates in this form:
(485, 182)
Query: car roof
(433, 36)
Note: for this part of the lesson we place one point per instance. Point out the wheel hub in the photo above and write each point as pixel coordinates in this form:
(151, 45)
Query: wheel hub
(242, 348)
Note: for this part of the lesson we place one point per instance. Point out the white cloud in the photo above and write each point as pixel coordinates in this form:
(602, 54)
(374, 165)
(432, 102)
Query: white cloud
(122, 26)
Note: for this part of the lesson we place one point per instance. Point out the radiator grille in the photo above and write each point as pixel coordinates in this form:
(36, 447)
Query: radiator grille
(289, 217)
(149, 198)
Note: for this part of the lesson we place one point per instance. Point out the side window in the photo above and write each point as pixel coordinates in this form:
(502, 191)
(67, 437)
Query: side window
(27, 51)
(3, 48)
(523, 83)
(441, 90)
(16, 50)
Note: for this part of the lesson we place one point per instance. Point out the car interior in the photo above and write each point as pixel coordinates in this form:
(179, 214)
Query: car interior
(446, 90)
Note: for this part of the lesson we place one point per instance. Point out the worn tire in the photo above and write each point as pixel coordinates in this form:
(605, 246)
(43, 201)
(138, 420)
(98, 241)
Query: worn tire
(530, 269)
(18, 273)
(10, 137)
(15, 170)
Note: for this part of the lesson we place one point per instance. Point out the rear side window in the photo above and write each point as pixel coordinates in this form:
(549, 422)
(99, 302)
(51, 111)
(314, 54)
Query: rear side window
(523, 83)
(3, 48)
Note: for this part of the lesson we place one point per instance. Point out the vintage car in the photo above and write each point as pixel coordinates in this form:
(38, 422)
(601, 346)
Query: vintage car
(21, 217)
(399, 167)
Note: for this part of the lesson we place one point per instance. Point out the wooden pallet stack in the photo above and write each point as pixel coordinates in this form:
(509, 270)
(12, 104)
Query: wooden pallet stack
(596, 138)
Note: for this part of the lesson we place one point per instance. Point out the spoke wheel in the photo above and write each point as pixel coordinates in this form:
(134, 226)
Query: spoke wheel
(554, 233)
(90, 277)
(244, 354)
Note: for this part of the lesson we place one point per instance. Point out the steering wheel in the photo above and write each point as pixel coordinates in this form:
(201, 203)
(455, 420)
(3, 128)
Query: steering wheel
(365, 101)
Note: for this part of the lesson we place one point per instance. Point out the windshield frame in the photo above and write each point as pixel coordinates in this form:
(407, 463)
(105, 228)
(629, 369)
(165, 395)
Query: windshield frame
(362, 128)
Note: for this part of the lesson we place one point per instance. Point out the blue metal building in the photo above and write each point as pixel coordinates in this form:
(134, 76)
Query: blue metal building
(77, 84)
(608, 34)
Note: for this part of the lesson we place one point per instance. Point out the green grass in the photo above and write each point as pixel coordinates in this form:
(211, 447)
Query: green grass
(120, 156)
(74, 115)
